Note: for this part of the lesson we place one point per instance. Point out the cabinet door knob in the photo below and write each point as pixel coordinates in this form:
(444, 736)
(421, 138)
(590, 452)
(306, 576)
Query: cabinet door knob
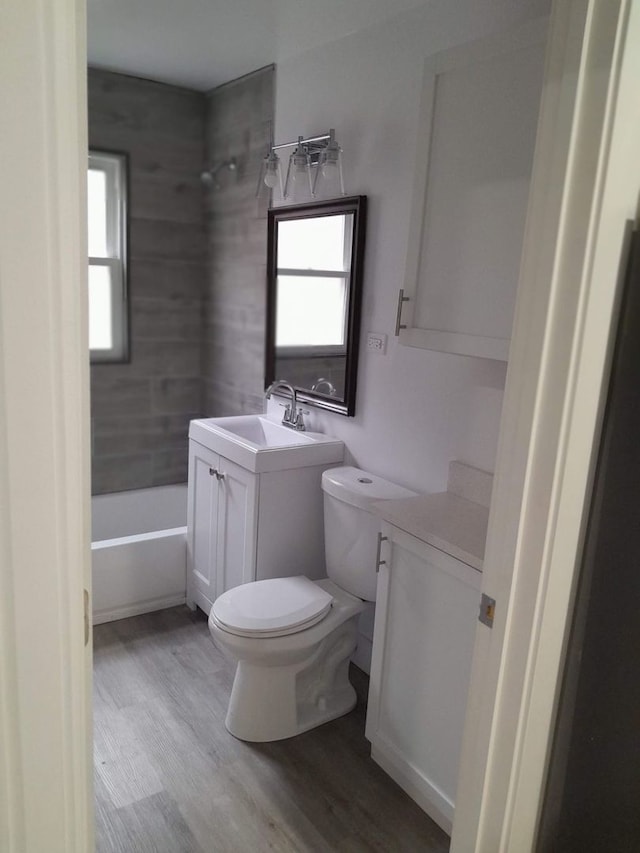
(219, 475)
(212, 471)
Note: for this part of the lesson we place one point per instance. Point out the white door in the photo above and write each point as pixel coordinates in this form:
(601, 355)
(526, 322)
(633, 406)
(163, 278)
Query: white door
(46, 795)
(584, 194)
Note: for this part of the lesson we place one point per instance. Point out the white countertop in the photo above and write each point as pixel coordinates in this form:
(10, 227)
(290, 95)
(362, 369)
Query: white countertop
(446, 521)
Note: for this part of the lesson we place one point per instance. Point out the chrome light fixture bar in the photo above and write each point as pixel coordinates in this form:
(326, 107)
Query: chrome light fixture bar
(321, 154)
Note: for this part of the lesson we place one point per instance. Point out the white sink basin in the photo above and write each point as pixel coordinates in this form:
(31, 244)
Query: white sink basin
(263, 432)
(259, 444)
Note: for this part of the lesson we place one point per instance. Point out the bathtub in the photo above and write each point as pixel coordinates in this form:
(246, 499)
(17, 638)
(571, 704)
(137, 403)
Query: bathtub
(138, 551)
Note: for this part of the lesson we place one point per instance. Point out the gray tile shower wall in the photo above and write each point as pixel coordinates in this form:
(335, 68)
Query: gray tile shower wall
(239, 122)
(197, 270)
(140, 411)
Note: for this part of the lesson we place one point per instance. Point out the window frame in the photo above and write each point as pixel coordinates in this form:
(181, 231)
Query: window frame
(115, 166)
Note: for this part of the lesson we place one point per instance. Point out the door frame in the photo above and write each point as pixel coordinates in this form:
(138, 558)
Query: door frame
(551, 416)
(46, 794)
(584, 195)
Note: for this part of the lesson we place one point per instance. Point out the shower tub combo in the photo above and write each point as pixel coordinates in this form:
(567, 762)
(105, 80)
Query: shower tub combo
(138, 552)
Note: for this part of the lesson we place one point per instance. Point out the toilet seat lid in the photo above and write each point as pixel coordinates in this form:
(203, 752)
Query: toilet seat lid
(279, 605)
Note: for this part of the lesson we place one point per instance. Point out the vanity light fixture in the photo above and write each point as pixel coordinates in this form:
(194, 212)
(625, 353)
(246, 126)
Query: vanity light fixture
(314, 168)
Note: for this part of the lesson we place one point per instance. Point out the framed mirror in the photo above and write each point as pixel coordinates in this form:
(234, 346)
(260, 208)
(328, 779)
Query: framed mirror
(314, 287)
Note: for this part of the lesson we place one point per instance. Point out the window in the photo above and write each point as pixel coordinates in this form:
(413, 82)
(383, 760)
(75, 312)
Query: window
(313, 269)
(107, 217)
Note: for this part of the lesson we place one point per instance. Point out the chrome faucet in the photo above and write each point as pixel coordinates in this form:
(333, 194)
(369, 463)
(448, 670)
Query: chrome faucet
(293, 416)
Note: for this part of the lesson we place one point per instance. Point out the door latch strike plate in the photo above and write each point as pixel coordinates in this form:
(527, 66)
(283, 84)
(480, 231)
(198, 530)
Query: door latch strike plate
(487, 610)
(87, 621)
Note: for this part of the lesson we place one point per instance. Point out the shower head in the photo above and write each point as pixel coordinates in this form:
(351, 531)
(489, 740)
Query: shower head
(210, 176)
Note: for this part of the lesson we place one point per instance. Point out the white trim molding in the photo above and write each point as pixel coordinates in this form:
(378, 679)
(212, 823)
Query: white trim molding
(45, 706)
(584, 193)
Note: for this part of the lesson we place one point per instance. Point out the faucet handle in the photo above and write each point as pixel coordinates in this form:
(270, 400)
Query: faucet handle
(299, 419)
(288, 417)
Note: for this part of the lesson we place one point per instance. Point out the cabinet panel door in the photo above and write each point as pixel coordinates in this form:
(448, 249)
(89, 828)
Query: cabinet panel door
(237, 526)
(475, 150)
(202, 514)
(426, 617)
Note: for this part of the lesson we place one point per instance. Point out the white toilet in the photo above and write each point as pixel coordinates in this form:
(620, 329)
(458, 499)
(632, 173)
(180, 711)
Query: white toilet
(293, 637)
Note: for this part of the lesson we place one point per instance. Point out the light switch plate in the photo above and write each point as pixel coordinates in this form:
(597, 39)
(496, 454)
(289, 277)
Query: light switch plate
(377, 342)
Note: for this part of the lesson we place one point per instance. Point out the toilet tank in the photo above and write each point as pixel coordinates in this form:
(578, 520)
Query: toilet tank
(351, 528)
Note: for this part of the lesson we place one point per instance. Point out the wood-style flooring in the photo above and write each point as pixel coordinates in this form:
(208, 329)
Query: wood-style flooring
(171, 779)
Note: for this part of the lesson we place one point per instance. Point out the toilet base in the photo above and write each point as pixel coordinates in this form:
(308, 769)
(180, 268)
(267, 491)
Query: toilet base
(277, 702)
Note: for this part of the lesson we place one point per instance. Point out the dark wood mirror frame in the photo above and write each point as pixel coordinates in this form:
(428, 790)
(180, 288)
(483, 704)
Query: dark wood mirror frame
(356, 205)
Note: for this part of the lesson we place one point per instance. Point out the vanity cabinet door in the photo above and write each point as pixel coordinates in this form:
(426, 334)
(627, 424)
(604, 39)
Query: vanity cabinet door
(236, 526)
(426, 617)
(202, 521)
(221, 526)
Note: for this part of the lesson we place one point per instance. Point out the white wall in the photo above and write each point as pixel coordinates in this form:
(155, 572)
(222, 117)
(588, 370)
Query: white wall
(415, 409)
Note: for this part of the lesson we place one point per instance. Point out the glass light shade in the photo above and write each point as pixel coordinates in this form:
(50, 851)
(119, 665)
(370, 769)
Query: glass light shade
(271, 176)
(270, 173)
(329, 180)
(297, 186)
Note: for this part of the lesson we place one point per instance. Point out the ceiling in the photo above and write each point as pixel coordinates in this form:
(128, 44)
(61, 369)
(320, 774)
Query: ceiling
(202, 44)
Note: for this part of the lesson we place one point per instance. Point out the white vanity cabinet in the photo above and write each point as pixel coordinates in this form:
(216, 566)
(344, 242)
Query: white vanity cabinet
(245, 525)
(426, 618)
(221, 525)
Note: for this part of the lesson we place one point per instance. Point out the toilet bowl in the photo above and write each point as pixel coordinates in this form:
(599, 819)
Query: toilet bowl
(293, 637)
(294, 681)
